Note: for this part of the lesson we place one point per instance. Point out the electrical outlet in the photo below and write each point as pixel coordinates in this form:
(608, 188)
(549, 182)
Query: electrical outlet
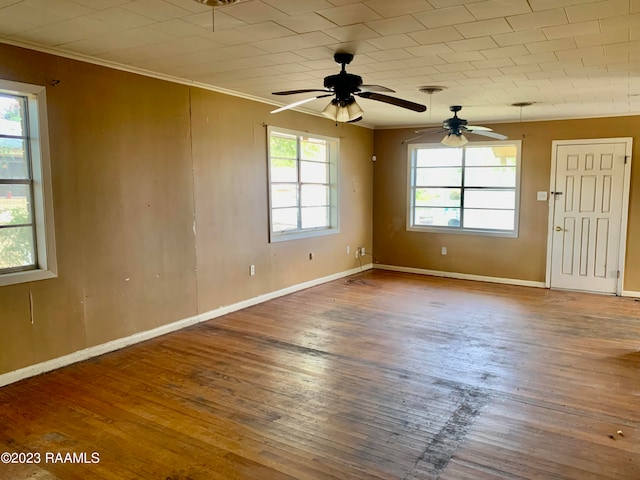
(362, 251)
(443, 251)
(357, 253)
(252, 270)
(348, 248)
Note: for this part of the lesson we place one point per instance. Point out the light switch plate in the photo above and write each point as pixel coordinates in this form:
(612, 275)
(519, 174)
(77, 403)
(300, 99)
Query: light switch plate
(542, 196)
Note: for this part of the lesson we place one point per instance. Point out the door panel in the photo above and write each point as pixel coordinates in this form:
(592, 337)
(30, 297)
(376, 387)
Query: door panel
(587, 213)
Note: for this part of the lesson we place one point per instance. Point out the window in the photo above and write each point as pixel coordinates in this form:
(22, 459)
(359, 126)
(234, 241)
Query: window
(27, 250)
(470, 189)
(303, 193)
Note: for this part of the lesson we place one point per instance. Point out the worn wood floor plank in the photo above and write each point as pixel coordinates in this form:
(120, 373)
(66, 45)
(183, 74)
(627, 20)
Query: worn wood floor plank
(382, 376)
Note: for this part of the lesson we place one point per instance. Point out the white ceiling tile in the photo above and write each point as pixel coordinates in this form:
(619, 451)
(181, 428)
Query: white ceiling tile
(572, 30)
(391, 54)
(101, 4)
(61, 8)
(535, 58)
(351, 33)
(436, 35)
(424, 61)
(503, 52)
(498, 8)
(426, 50)
(635, 6)
(158, 11)
(538, 5)
(350, 14)
(552, 45)
(229, 37)
(520, 69)
(305, 40)
(17, 18)
(587, 52)
(444, 16)
(454, 67)
(254, 12)
(388, 9)
(393, 42)
(67, 31)
(266, 30)
(484, 72)
(121, 18)
(598, 10)
(627, 22)
(472, 44)
(298, 7)
(517, 38)
(307, 22)
(531, 21)
(462, 57)
(493, 63)
(483, 28)
(396, 25)
(177, 28)
(222, 20)
(451, 3)
(613, 36)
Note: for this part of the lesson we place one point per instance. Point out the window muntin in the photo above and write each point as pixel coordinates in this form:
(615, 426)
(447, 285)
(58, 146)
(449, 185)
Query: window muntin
(27, 247)
(472, 189)
(302, 184)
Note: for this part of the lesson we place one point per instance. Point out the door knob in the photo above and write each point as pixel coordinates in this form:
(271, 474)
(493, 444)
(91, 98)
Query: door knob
(558, 229)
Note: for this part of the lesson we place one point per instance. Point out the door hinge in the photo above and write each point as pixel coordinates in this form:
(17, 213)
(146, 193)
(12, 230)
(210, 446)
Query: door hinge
(626, 158)
(618, 274)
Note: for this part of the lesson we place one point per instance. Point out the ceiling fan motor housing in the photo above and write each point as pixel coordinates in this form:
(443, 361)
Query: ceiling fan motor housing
(455, 125)
(343, 84)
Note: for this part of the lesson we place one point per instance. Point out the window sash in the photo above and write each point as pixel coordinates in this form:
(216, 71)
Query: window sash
(25, 138)
(453, 195)
(309, 180)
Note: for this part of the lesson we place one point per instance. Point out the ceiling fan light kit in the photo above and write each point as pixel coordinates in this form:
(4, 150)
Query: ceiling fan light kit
(454, 140)
(343, 111)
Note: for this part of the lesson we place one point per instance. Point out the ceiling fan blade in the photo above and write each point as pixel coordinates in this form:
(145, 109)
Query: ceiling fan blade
(478, 127)
(304, 90)
(430, 130)
(300, 102)
(425, 133)
(398, 102)
(495, 135)
(375, 88)
(355, 119)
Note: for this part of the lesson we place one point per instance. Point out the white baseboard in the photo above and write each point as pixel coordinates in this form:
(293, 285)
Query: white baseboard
(80, 355)
(462, 276)
(630, 293)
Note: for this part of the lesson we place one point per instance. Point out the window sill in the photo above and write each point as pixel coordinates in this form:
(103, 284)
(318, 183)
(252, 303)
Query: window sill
(283, 237)
(27, 276)
(466, 231)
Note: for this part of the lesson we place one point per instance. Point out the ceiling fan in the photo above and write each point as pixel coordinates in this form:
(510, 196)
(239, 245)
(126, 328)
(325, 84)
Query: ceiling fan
(344, 87)
(455, 127)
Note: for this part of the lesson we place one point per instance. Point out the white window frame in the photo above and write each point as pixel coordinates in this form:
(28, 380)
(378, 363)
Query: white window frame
(333, 150)
(46, 264)
(411, 157)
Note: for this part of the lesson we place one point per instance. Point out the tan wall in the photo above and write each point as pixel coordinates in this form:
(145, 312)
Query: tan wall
(521, 258)
(134, 161)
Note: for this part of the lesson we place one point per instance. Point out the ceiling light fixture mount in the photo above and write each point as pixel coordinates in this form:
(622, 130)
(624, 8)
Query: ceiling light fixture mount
(431, 89)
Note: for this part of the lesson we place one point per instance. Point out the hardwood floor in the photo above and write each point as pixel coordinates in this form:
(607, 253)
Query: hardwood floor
(382, 376)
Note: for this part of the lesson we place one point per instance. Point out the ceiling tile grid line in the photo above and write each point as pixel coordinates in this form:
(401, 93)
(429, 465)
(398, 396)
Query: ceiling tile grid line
(477, 49)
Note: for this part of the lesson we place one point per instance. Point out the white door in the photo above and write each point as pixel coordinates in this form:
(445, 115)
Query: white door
(587, 200)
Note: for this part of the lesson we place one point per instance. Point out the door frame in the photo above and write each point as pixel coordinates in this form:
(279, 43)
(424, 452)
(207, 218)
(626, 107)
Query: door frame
(622, 248)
